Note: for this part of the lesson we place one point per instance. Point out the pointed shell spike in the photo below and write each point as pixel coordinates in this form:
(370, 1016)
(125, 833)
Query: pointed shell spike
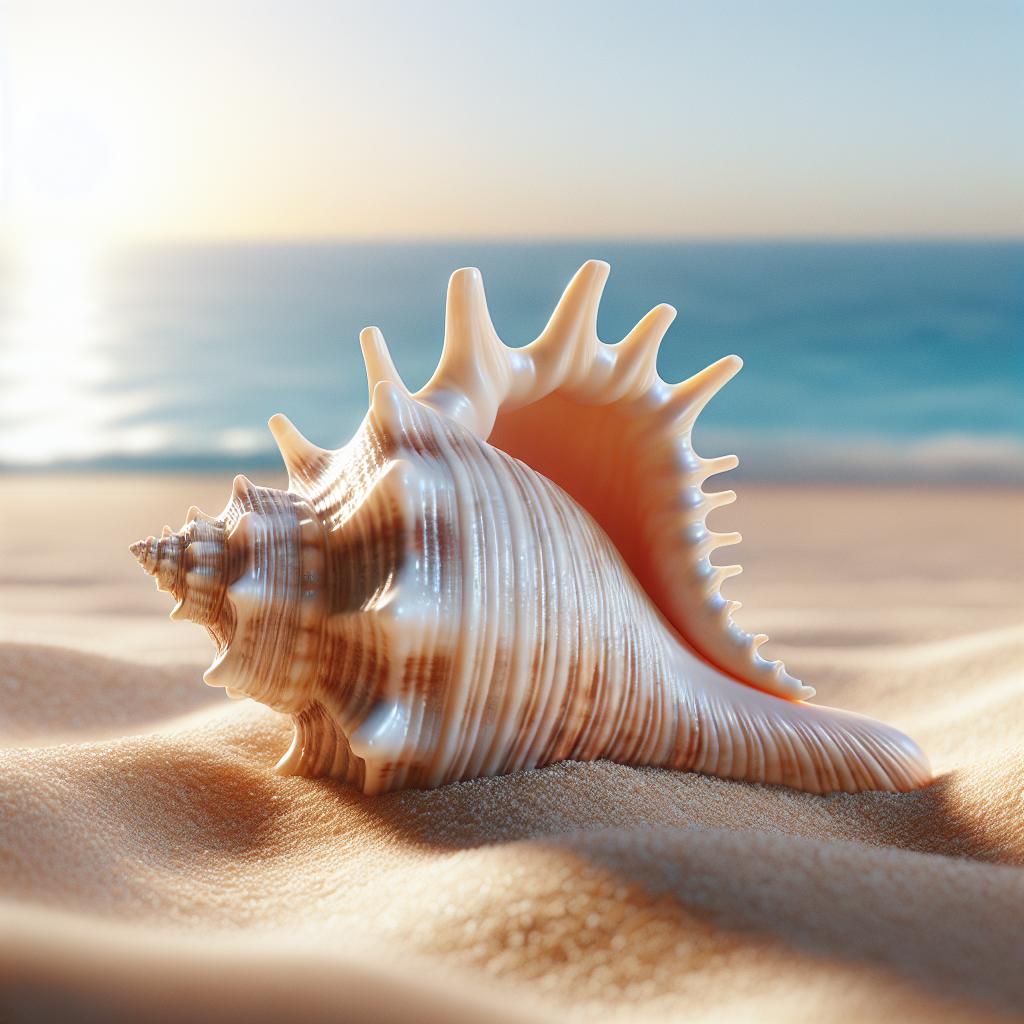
(575, 317)
(690, 396)
(723, 464)
(468, 329)
(717, 499)
(195, 512)
(377, 359)
(637, 353)
(242, 488)
(218, 674)
(471, 378)
(301, 457)
(651, 330)
(725, 540)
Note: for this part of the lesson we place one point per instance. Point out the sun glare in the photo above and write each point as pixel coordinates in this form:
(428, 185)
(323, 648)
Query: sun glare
(50, 360)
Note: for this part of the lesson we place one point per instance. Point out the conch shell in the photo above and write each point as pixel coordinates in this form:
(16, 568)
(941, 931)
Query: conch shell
(509, 568)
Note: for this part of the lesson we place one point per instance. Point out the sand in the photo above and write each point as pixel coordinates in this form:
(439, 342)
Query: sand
(153, 867)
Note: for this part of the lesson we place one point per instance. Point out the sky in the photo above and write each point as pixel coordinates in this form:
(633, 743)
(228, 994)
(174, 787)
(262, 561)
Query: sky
(305, 119)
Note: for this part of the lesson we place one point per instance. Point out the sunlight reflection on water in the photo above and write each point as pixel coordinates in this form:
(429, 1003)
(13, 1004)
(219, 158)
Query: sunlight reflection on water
(57, 369)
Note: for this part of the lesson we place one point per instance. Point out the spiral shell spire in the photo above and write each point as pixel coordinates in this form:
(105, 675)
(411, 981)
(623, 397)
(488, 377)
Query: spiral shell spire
(191, 565)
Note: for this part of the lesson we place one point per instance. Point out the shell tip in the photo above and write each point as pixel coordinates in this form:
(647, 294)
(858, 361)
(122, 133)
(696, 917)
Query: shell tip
(292, 757)
(296, 450)
(575, 316)
(466, 275)
(215, 674)
(691, 395)
(466, 298)
(141, 551)
(195, 512)
(794, 688)
(377, 359)
(281, 427)
(241, 487)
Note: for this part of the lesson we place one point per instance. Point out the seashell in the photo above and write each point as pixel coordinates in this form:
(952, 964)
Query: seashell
(509, 568)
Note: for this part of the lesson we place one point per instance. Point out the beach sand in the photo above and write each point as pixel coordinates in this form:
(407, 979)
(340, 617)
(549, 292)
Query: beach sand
(153, 866)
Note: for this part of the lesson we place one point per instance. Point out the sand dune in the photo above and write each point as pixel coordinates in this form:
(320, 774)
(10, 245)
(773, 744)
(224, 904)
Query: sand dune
(152, 865)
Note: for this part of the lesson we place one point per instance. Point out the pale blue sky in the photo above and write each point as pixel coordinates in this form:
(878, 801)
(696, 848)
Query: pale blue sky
(305, 119)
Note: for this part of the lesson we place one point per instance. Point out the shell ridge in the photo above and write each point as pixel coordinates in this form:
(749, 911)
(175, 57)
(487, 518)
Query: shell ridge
(533, 671)
(561, 626)
(549, 601)
(487, 604)
(568, 634)
(514, 616)
(429, 639)
(592, 656)
(451, 715)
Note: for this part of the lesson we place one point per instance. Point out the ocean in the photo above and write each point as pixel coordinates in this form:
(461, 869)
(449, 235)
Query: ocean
(863, 361)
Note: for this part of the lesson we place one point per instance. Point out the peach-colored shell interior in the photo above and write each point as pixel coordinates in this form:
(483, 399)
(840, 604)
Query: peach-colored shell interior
(605, 465)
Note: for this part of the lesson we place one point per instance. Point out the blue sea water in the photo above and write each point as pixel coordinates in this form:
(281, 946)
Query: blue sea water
(862, 360)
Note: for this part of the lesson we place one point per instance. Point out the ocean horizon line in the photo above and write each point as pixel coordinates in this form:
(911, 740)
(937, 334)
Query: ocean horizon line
(14, 241)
